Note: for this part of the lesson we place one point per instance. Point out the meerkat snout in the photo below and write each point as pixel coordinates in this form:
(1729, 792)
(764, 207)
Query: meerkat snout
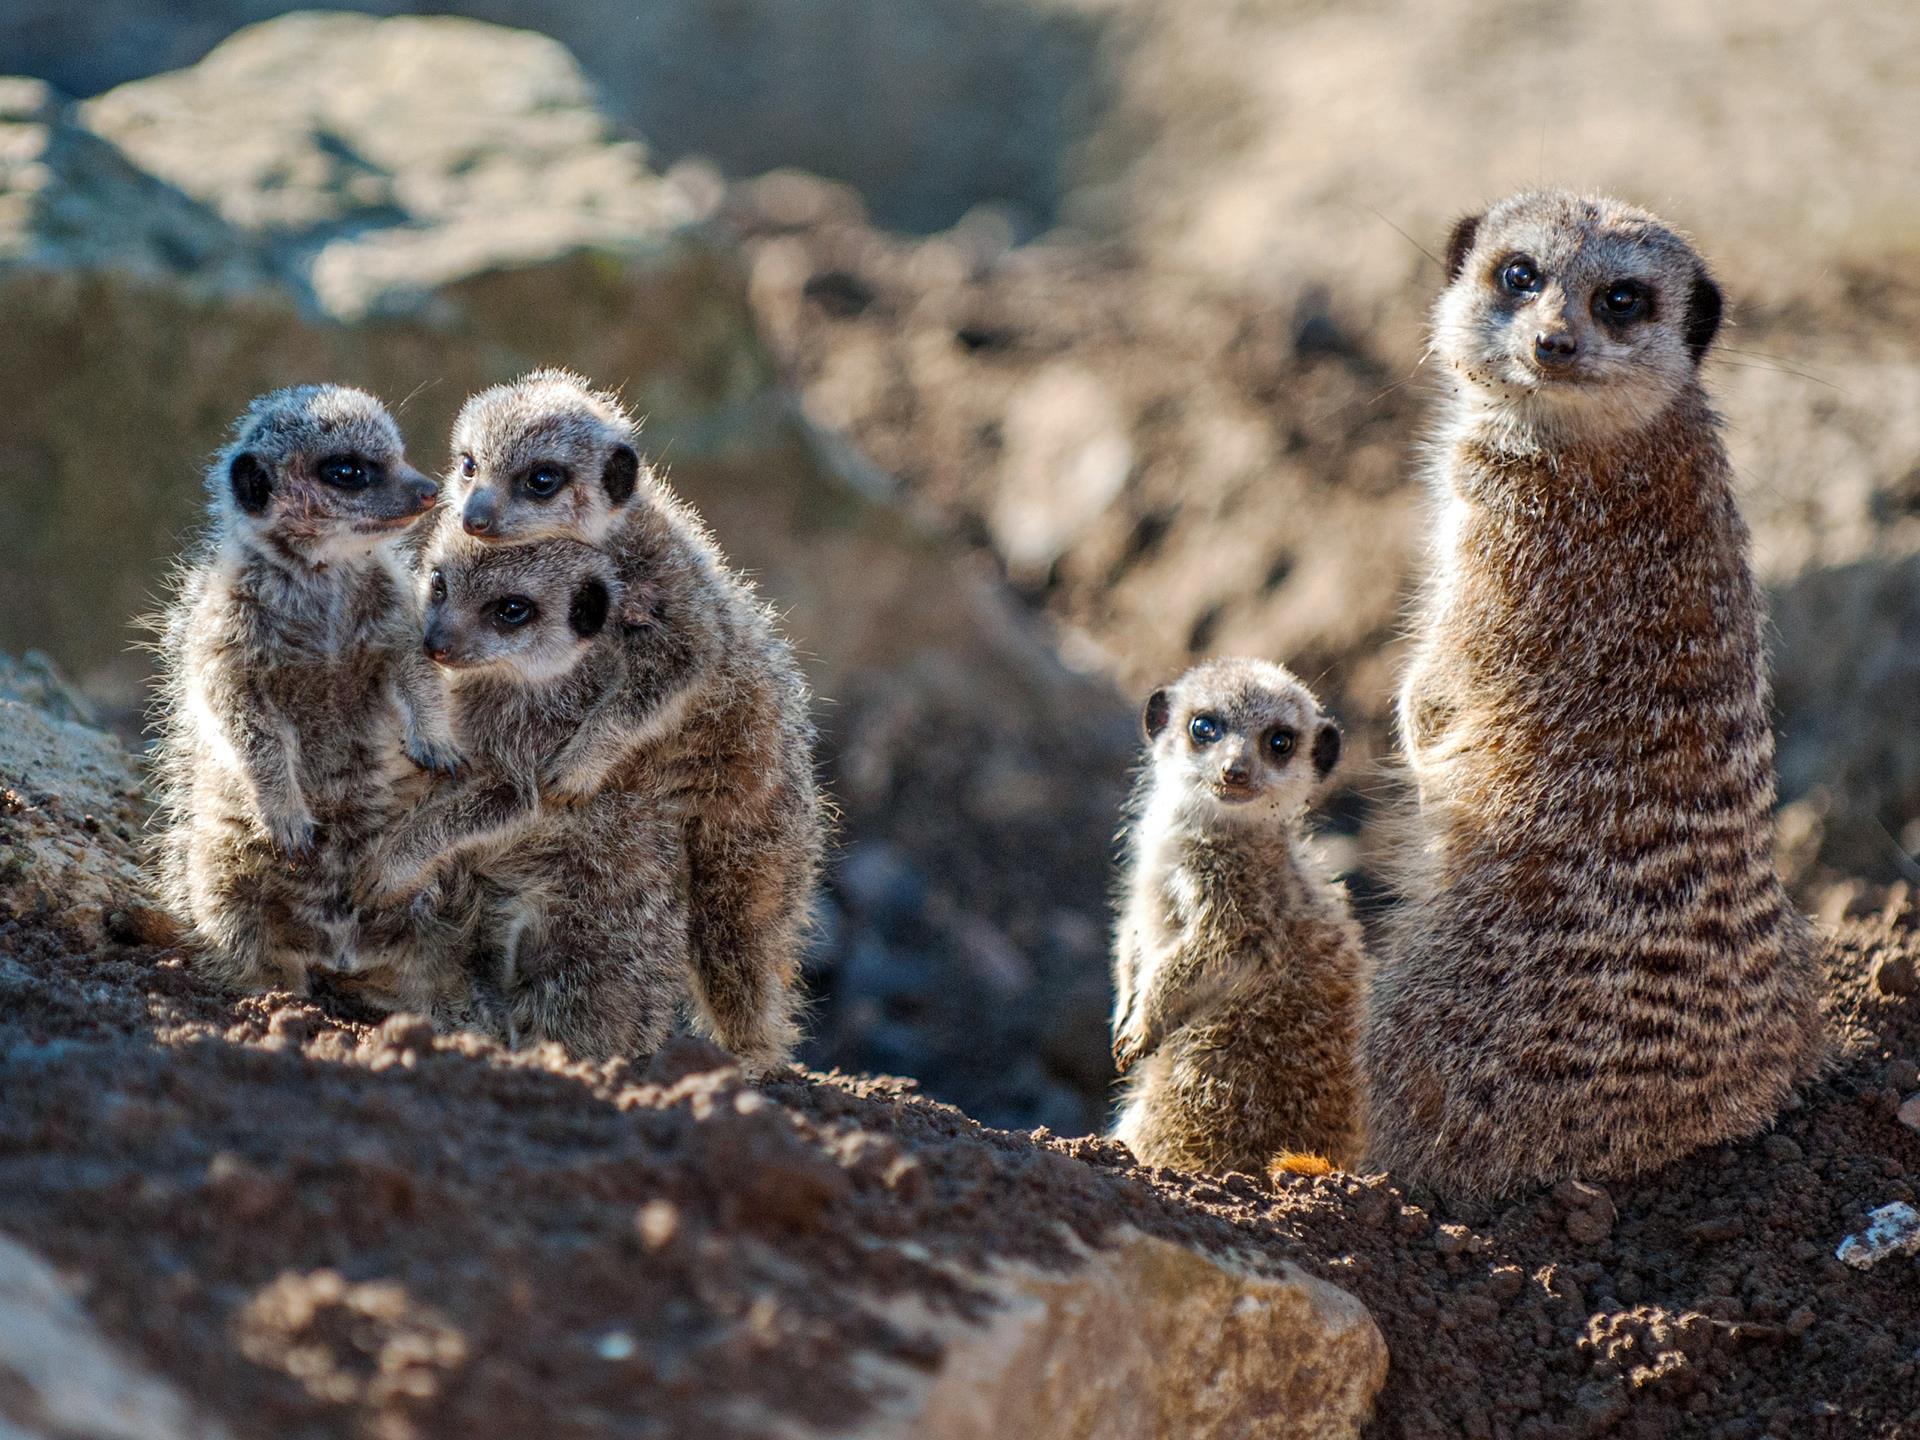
(1554, 348)
(481, 512)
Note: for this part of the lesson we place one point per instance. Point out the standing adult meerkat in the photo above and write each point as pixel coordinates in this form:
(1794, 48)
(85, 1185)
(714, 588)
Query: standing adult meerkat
(297, 710)
(715, 698)
(1237, 962)
(1594, 968)
(582, 936)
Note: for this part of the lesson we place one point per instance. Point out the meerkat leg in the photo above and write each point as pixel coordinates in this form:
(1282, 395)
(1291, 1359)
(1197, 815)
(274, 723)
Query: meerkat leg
(421, 697)
(749, 887)
(601, 979)
(250, 939)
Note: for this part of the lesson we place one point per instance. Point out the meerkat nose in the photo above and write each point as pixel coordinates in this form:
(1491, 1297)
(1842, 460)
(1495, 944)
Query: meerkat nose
(1235, 773)
(435, 646)
(480, 513)
(1554, 348)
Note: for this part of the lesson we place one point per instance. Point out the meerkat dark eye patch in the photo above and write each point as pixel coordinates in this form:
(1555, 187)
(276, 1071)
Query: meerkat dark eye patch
(1159, 710)
(543, 481)
(250, 481)
(1326, 749)
(346, 472)
(621, 474)
(1703, 315)
(1205, 729)
(588, 613)
(1460, 245)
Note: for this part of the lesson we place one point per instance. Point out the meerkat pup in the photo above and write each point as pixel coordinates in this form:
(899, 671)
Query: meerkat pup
(1237, 962)
(296, 704)
(1594, 968)
(714, 698)
(583, 933)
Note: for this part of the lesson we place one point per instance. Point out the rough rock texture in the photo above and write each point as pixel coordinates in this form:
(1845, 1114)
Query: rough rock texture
(71, 811)
(322, 1224)
(1149, 1339)
(63, 1379)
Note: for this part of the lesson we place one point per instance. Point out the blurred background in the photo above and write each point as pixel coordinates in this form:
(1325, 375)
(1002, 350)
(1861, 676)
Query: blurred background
(1024, 350)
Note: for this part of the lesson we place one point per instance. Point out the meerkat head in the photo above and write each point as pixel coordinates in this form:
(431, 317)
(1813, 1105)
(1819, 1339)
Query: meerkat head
(1241, 739)
(1573, 312)
(318, 472)
(544, 457)
(532, 611)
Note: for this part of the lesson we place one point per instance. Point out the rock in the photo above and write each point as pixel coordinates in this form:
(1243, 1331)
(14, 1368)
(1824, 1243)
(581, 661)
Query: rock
(1146, 1339)
(1067, 457)
(1895, 974)
(64, 1379)
(71, 814)
(1891, 1230)
(1909, 1112)
(372, 168)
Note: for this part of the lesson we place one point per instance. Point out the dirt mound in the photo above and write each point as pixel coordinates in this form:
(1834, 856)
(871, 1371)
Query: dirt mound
(319, 1225)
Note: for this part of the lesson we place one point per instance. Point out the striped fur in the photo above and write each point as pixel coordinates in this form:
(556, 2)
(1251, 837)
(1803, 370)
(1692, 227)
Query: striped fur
(1594, 968)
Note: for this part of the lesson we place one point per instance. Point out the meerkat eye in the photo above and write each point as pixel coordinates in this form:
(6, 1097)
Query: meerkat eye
(1204, 729)
(467, 467)
(345, 472)
(545, 480)
(1520, 275)
(1622, 300)
(514, 611)
(437, 588)
(1280, 742)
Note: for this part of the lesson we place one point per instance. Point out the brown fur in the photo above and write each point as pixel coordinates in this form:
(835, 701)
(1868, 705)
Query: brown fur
(1594, 968)
(584, 929)
(714, 710)
(1237, 964)
(293, 697)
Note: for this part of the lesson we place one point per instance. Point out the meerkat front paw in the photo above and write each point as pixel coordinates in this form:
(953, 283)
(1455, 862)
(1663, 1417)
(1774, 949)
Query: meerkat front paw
(438, 757)
(295, 836)
(1129, 1046)
(566, 788)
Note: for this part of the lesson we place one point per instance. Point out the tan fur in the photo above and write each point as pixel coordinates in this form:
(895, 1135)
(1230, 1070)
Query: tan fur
(584, 928)
(293, 698)
(714, 710)
(1237, 963)
(1594, 968)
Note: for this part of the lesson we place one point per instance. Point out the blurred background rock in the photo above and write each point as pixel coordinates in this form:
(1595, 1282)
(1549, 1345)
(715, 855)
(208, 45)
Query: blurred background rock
(1024, 349)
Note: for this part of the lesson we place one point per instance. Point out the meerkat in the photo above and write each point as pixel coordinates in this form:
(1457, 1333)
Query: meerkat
(1237, 962)
(583, 933)
(715, 698)
(297, 712)
(1594, 968)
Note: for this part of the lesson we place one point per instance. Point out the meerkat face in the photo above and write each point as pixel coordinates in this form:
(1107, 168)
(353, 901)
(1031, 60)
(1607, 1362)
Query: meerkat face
(1571, 310)
(542, 458)
(318, 471)
(532, 611)
(1241, 739)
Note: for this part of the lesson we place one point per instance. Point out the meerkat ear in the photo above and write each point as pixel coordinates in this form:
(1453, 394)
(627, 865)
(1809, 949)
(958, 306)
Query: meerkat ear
(1460, 245)
(1703, 315)
(588, 613)
(1326, 748)
(1159, 711)
(621, 475)
(251, 482)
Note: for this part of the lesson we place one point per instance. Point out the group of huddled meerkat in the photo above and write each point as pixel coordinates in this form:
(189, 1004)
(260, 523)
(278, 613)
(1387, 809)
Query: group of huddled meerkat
(520, 751)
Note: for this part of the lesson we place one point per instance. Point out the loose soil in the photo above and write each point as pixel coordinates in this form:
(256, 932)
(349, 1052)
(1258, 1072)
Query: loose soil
(322, 1224)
